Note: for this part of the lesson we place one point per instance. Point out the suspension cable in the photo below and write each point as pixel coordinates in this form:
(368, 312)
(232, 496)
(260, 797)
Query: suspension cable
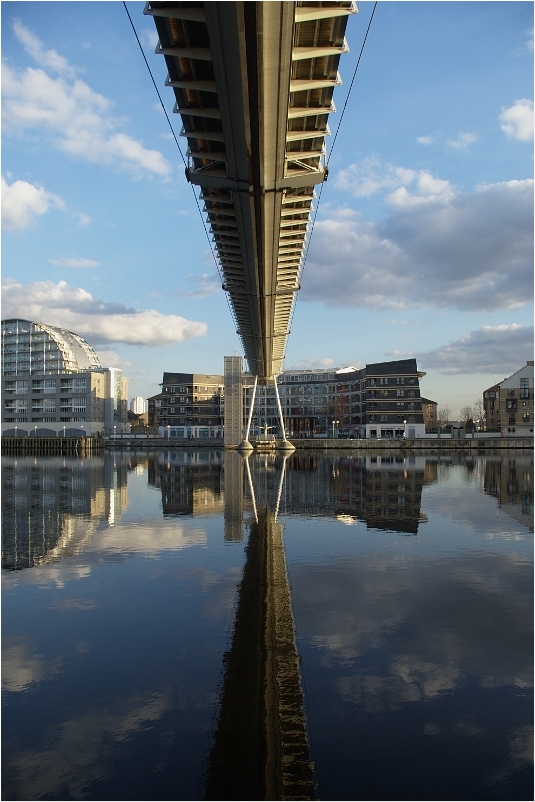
(182, 156)
(336, 134)
(352, 82)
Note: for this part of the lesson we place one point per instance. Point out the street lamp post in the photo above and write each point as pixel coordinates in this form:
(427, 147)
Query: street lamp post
(64, 431)
(35, 431)
(168, 432)
(405, 429)
(335, 422)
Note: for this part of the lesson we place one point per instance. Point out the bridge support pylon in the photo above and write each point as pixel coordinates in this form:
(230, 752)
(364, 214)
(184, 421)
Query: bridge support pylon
(245, 444)
(285, 445)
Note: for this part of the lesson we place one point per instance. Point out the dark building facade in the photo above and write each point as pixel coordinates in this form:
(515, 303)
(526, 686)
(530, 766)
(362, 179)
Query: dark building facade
(191, 405)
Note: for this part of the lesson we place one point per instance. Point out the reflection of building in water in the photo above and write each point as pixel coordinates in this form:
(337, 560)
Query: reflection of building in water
(508, 479)
(384, 491)
(190, 481)
(51, 506)
(260, 746)
(233, 479)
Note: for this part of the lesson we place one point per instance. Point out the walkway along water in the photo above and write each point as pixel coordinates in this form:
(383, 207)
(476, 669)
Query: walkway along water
(53, 446)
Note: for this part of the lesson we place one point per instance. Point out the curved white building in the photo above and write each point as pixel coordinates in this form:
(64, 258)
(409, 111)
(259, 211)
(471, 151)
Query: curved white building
(29, 347)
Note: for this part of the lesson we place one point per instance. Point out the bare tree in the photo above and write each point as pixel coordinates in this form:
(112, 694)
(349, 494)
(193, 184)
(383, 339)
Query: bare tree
(443, 415)
(467, 414)
(477, 409)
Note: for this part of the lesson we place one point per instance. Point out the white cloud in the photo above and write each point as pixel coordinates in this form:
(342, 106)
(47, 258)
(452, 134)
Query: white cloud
(428, 190)
(77, 264)
(207, 284)
(463, 141)
(397, 354)
(149, 38)
(425, 140)
(490, 349)
(111, 359)
(84, 219)
(75, 309)
(49, 59)
(371, 176)
(22, 203)
(459, 250)
(78, 120)
(517, 120)
(311, 363)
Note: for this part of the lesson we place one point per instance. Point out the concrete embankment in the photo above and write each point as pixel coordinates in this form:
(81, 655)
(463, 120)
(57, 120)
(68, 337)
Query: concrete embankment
(476, 444)
(85, 446)
(421, 444)
(52, 446)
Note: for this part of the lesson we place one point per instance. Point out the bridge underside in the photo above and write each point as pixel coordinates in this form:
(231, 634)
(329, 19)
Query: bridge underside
(253, 83)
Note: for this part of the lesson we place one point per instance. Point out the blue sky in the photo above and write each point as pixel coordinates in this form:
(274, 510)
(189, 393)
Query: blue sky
(423, 244)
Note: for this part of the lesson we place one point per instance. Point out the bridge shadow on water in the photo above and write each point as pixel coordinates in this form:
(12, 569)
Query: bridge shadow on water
(260, 748)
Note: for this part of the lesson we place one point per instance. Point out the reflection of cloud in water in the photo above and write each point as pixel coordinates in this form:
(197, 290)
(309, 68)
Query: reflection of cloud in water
(65, 605)
(473, 510)
(20, 668)
(118, 543)
(57, 574)
(148, 540)
(520, 750)
(441, 622)
(223, 592)
(410, 680)
(76, 754)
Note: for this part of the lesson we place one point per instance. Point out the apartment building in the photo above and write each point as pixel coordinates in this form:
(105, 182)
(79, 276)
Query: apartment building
(508, 405)
(190, 406)
(138, 405)
(64, 404)
(381, 400)
(491, 408)
(154, 405)
(54, 385)
(29, 347)
(429, 412)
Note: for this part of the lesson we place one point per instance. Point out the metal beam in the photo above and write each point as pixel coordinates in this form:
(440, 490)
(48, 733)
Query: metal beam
(252, 58)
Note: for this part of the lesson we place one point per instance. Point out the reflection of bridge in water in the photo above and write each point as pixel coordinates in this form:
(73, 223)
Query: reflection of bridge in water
(53, 507)
(260, 746)
(384, 491)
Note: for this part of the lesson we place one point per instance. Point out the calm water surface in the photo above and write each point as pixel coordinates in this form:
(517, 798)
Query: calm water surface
(150, 651)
